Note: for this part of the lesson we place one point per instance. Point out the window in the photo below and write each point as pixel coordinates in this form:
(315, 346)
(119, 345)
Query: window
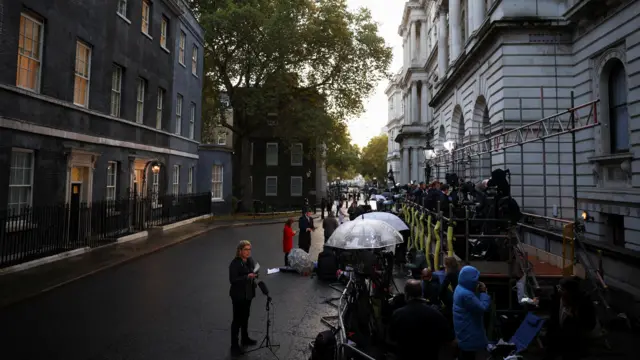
(615, 229)
(618, 110)
(29, 53)
(271, 186)
(122, 8)
(140, 100)
(146, 10)
(20, 180)
(159, 107)
(179, 115)
(222, 138)
(272, 154)
(83, 75)
(116, 90)
(164, 27)
(296, 155)
(190, 181)
(194, 61)
(182, 43)
(192, 121)
(251, 155)
(112, 171)
(296, 186)
(216, 182)
(176, 180)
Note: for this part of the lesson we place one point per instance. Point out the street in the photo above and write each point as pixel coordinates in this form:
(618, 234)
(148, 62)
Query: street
(171, 305)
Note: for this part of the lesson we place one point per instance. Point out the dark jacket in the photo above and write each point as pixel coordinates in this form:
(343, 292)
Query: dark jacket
(305, 224)
(242, 288)
(448, 287)
(330, 224)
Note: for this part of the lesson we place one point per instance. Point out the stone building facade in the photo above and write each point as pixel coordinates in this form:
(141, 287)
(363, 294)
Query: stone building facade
(475, 69)
(89, 96)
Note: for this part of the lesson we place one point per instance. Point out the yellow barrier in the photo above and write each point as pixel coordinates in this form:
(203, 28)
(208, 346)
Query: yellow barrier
(568, 249)
(427, 248)
(436, 251)
(450, 239)
(420, 242)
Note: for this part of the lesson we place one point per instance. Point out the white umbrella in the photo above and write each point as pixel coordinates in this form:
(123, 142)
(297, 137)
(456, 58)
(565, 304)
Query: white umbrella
(378, 197)
(389, 218)
(364, 234)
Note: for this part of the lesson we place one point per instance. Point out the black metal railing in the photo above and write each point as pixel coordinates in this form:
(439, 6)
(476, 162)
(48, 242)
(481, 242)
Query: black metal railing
(37, 232)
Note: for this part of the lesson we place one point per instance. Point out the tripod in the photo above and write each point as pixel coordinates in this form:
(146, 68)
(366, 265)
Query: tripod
(266, 341)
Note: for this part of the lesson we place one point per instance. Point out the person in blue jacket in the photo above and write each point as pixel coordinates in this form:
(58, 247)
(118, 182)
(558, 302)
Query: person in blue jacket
(470, 302)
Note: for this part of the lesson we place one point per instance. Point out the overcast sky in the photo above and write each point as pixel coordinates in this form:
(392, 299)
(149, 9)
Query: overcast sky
(388, 17)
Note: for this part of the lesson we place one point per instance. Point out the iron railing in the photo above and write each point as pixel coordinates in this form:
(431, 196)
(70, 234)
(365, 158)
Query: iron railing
(37, 232)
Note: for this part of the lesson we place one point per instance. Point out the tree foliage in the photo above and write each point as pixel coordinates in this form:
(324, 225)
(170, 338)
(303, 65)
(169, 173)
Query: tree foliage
(373, 162)
(343, 157)
(285, 48)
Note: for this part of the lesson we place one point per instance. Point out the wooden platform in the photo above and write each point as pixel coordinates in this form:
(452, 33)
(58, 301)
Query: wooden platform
(500, 269)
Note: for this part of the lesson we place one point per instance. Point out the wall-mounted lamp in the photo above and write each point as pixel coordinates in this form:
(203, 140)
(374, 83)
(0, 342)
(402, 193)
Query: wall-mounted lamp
(586, 217)
(309, 173)
(155, 168)
(449, 145)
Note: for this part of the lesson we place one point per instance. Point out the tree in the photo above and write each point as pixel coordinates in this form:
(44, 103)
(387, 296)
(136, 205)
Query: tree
(283, 48)
(373, 162)
(343, 157)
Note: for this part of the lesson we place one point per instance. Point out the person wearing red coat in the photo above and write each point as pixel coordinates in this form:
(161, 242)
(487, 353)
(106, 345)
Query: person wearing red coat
(287, 240)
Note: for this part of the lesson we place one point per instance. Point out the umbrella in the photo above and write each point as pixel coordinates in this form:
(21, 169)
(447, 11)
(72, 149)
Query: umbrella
(300, 261)
(378, 198)
(386, 217)
(364, 234)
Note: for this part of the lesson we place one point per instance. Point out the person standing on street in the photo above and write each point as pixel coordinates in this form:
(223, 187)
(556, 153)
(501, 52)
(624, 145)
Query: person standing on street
(470, 303)
(242, 291)
(323, 205)
(306, 228)
(329, 224)
(287, 240)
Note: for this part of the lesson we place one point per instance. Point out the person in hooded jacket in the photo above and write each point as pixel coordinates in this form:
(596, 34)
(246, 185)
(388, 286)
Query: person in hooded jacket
(470, 302)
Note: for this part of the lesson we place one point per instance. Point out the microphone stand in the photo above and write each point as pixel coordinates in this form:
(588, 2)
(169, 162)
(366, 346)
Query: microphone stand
(266, 341)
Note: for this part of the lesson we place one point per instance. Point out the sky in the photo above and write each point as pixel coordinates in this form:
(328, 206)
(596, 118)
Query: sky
(370, 123)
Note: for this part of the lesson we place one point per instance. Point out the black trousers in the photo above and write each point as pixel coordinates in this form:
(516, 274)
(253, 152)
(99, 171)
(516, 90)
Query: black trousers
(304, 241)
(286, 259)
(240, 323)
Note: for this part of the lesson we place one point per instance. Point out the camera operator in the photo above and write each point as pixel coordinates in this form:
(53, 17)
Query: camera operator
(418, 330)
(242, 291)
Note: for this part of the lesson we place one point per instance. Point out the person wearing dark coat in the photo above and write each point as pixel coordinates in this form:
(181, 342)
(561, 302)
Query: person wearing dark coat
(418, 330)
(323, 206)
(306, 228)
(242, 291)
(329, 224)
(573, 322)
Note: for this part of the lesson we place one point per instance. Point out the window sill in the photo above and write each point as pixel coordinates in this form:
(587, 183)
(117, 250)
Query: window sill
(217, 200)
(270, 194)
(165, 49)
(124, 18)
(19, 225)
(194, 75)
(183, 65)
(28, 89)
(296, 195)
(272, 164)
(611, 158)
(80, 105)
(147, 35)
(292, 164)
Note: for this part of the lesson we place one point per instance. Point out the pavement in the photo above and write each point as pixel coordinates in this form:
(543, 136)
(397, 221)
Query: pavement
(171, 305)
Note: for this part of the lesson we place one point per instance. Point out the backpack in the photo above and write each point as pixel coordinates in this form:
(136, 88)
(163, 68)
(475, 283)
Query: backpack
(324, 347)
(327, 266)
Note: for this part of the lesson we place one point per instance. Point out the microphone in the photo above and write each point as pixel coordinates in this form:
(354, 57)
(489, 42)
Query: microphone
(264, 289)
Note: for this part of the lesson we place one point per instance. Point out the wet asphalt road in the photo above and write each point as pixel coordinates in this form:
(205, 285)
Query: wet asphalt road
(171, 305)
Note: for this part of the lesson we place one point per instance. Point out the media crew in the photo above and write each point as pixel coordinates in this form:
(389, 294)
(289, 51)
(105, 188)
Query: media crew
(242, 277)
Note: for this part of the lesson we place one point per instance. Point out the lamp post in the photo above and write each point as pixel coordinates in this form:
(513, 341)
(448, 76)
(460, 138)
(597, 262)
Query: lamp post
(429, 155)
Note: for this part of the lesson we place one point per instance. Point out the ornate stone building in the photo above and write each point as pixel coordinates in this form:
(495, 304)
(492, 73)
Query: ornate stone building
(476, 68)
